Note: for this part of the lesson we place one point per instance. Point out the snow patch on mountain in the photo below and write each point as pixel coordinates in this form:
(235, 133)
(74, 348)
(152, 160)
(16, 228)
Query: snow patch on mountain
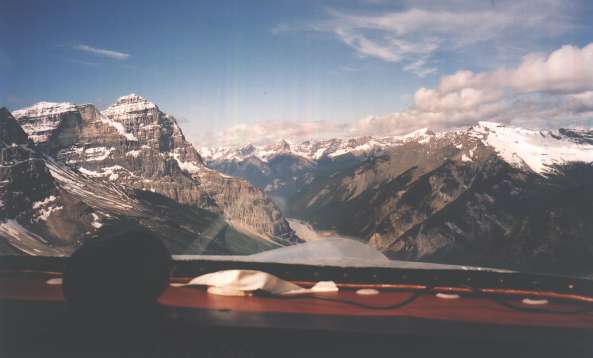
(48, 200)
(112, 173)
(96, 193)
(98, 154)
(44, 109)
(97, 224)
(41, 119)
(127, 106)
(309, 150)
(134, 153)
(539, 150)
(44, 213)
(44, 208)
(118, 126)
(25, 240)
(421, 136)
(189, 167)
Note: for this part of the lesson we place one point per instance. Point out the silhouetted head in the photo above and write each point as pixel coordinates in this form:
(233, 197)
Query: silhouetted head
(122, 274)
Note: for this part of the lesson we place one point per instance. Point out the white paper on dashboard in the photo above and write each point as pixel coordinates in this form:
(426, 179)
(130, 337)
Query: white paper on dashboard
(253, 280)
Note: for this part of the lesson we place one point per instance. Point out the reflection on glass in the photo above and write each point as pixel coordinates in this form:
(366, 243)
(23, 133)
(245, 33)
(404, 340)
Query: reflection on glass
(392, 136)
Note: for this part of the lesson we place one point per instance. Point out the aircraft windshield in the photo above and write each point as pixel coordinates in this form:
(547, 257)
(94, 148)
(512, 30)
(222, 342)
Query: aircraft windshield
(349, 134)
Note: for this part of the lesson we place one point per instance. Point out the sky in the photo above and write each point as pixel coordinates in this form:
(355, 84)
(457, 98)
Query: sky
(234, 72)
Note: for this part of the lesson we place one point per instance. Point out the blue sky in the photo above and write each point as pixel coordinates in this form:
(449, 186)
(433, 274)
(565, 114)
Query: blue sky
(223, 65)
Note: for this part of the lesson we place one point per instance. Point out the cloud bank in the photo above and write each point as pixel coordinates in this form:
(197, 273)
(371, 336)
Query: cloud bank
(544, 90)
(269, 131)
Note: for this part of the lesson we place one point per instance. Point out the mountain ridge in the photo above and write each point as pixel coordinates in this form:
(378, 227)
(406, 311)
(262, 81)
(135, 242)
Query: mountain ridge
(371, 145)
(134, 143)
(486, 195)
(48, 208)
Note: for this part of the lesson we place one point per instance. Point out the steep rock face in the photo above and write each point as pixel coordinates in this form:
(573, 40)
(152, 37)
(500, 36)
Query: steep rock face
(41, 120)
(36, 216)
(280, 175)
(366, 192)
(47, 208)
(135, 144)
(505, 217)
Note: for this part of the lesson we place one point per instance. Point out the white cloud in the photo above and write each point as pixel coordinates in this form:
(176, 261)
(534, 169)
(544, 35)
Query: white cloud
(115, 55)
(581, 102)
(543, 90)
(420, 68)
(568, 69)
(414, 35)
(264, 132)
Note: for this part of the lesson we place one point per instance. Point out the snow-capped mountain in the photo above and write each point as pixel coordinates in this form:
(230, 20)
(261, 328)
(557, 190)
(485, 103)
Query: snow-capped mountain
(27, 194)
(536, 149)
(312, 150)
(135, 144)
(282, 168)
(489, 194)
(486, 195)
(48, 208)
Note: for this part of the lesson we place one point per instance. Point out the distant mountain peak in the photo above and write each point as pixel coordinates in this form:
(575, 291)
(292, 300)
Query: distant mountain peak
(421, 135)
(283, 144)
(539, 150)
(247, 150)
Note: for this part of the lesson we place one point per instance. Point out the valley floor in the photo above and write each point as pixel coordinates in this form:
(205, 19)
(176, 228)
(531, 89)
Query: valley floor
(306, 232)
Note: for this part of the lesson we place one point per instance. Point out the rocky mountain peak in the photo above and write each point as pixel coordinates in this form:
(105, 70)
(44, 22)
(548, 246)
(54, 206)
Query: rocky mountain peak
(280, 146)
(132, 98)
(129, 105)
(485, 125)
(48, 208)
(41, 119)
(247, 150)
(134, 144)
(45, 109)
(538, 150)
(421, 135)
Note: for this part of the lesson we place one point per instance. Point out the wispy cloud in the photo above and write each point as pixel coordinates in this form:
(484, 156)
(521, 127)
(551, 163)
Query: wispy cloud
(414, 35)
(420, 67)
(115, 55)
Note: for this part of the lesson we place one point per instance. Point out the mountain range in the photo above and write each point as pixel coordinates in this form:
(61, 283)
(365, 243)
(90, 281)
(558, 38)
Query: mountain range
(71, 171)
(487, 195)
